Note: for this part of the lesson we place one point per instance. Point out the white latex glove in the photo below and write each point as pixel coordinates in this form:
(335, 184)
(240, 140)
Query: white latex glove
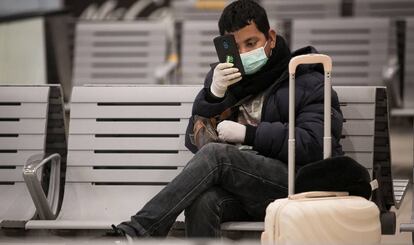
(230, 131)
(224, 75)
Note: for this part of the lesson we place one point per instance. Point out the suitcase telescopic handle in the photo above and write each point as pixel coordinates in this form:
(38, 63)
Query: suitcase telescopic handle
(326, 61)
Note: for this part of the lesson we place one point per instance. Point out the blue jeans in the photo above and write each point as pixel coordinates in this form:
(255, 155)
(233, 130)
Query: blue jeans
(220, 183)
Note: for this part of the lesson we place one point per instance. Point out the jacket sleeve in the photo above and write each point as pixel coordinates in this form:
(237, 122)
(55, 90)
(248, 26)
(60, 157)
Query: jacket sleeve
(206, 106)
(271, 138)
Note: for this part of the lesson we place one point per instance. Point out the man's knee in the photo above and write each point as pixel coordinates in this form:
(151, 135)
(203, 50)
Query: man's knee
(217, 150)
(211, 156)
(212, 148)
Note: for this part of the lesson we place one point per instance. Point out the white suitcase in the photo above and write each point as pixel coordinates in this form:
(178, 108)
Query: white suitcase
(318, 217)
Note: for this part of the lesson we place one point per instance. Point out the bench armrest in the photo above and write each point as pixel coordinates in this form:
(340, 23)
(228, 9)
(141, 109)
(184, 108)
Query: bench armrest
(45, 206)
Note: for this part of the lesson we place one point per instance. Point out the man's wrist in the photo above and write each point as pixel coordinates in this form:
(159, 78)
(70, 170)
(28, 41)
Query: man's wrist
(250, 135)
(217, 92)
(211, 98)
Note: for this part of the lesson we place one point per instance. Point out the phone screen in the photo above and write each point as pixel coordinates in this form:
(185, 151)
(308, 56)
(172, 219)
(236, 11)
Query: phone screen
(228, 52)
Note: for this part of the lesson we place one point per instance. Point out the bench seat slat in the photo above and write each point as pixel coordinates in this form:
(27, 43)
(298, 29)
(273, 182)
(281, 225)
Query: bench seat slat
(94, 111)
(71, 224)
(25, 110)
(89, 51)
(364, 158)
(89, 62)
(77, 224)
(400, 183)
(398, 198)
(25, 94)
(357, 60)
(89, 158)
(143, 79)
(359, 111)
(329, 43)
(358, 127)
(23, 126)
(358, 143)
(120, 27)
(90, 40)
(242, 226)
(399, 189)
(183, 94)
(360, 69)
(97, 72)
(23, 142)
(355, 94)
(87, 174)
(89, 142)
(86, 201)
(12, 175)
(200, 63)
(199, 50)
(90, 126)
(16, 203)
(17, 159)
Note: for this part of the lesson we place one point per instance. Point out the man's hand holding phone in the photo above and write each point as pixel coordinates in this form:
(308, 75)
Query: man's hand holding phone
(224, 75)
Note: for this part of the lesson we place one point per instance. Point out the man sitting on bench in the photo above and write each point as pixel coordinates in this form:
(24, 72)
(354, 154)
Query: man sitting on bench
(223, 181)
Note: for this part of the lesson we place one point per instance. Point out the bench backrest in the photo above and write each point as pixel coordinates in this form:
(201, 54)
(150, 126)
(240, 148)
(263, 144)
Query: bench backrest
(409, 64)
(118, 52)
(197, 50)
(384, 8)
(360, 48)
(358, 108)
(365, 134)
(302, 9)
(126, 143)
(31, 123)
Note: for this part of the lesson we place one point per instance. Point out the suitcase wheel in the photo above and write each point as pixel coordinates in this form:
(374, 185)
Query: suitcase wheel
(388, 223)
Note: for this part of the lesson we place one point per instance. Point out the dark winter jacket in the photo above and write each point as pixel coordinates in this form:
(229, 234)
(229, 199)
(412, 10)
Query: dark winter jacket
(270, 137)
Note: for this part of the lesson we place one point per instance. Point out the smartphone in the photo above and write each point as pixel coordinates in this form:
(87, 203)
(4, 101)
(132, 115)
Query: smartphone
(227, 51)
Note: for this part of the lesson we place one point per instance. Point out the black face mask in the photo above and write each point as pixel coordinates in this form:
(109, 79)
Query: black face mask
(253, 84)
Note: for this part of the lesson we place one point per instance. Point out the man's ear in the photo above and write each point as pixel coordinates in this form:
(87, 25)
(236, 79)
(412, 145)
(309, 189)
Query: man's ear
(272, 37)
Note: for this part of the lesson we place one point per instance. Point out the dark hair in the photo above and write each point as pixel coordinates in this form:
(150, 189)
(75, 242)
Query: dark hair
(241, 13)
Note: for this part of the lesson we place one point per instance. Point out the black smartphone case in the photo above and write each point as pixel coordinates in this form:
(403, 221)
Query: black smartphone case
(228, 52)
